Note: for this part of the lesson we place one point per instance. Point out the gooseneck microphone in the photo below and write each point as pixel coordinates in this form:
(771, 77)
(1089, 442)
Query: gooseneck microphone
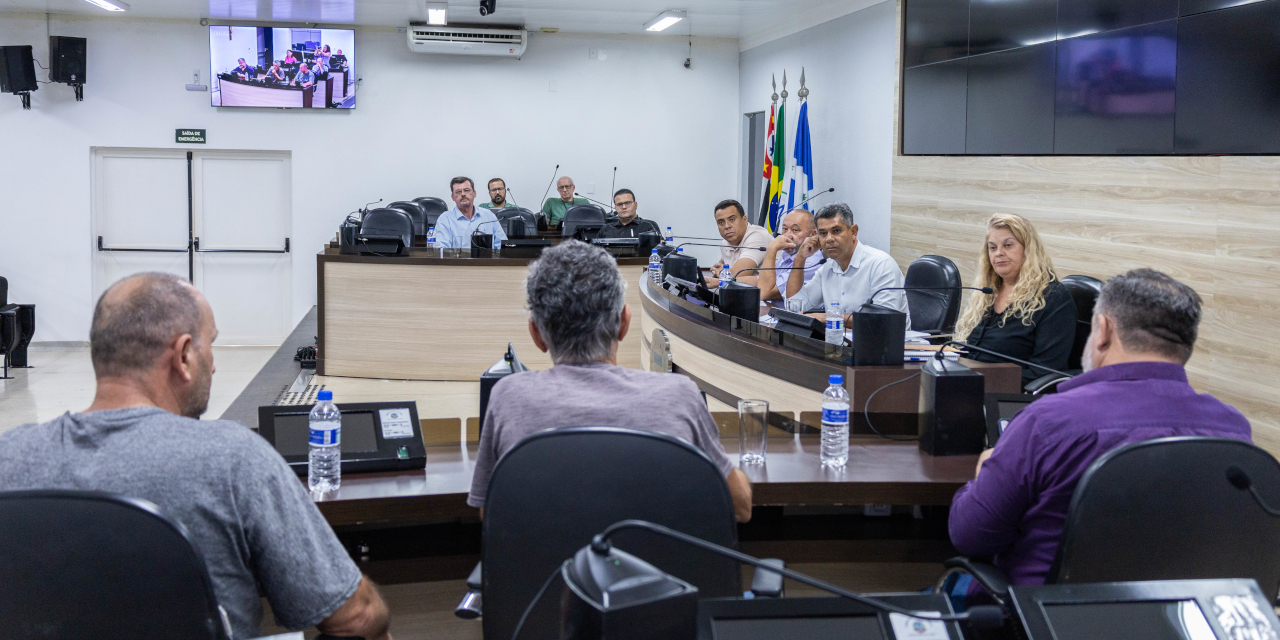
(699, 244)
(513, 197)
(980, 616)
(1241, 480)
(807, 201)
(735, 276)
(985, 290)
(575, 193)
(553, 181)
(997, 354)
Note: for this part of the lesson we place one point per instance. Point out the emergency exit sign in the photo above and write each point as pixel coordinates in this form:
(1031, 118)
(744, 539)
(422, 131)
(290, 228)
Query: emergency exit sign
(189, 136)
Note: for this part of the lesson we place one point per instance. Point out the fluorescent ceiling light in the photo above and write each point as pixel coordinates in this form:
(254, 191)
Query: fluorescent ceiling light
(437, 13)
(664, 20)
(109, 5)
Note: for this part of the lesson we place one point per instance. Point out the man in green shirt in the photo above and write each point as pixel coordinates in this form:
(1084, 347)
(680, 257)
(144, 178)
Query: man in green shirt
(497, 195)
(554, 208)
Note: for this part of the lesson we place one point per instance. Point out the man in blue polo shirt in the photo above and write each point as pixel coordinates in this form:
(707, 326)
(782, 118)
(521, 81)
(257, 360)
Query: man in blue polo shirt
(455, 227)
(304, 78)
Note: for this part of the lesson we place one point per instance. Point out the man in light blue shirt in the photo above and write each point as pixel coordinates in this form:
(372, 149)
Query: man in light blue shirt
(853, 273)
(456, 226)
(797, 227)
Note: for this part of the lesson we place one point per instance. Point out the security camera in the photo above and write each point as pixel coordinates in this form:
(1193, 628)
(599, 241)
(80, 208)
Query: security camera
(487, 7)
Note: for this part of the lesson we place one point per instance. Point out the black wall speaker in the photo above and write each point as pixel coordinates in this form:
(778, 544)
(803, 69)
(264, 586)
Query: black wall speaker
(67, 59)
(17, 69)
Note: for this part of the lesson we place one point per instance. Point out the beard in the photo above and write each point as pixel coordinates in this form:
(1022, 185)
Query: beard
(197, 401)
(499, 200)
(1086, 360)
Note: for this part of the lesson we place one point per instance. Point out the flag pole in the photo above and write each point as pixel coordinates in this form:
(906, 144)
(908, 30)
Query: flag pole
(763, 219)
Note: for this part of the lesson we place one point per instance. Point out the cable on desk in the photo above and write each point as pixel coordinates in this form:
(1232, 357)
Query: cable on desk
(866, 413)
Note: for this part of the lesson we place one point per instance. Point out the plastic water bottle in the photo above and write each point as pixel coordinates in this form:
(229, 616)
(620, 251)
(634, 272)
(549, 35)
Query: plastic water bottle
(655, 267)
(324, 465)
(670, 236)
(835, 423)
(431, 240)
(835, 324)
(725, 276)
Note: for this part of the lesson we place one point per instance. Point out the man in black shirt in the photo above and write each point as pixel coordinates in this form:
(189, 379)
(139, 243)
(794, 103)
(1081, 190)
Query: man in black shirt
(628, 224)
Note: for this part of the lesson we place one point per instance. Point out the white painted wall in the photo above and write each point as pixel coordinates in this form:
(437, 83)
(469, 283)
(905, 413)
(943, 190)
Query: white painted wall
(672, 133)
(850, 69)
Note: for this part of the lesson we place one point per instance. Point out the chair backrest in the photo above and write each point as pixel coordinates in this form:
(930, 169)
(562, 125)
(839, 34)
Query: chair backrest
(1084, 292)
(935, 310)
(416, 213)
(388, 222)
(433, 207)
(508, 215)
(580, 215)
(554, 490)
(79, 564)
(4, 291)
(1164, 510)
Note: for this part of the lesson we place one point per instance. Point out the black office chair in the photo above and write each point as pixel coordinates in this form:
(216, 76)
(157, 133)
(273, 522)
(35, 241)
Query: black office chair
(1164, 509)
(517, 222)
(17, 327)
(78, 564)
(416, 213)
(556, 489)
(583, 220)
(933, 311)
(433, 207)
(385, 231)
(1084, 292)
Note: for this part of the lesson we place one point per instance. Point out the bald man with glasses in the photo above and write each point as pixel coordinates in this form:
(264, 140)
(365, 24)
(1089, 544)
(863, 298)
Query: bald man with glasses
(554, 208)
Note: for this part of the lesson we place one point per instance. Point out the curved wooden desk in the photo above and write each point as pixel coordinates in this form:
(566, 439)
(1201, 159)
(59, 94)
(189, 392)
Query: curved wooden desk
(428, 318)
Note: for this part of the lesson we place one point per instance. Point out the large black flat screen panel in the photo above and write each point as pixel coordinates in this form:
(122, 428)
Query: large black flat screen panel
(1115, 91)
(937, 30)
(996, 25)
(1079, 17)
(1229, 81)
(933, 108)
(1010, 102)
(1191, 7)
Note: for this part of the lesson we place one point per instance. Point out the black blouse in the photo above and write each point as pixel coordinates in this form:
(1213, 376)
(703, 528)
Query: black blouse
(1047, 341)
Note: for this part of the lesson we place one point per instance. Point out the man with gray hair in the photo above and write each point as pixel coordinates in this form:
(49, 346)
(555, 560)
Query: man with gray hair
(854, 272)
(244, 508)
(577, 313)
(1134, 388)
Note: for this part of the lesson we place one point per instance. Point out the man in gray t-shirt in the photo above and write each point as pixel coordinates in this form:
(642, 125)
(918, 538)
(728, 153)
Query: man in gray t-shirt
(576, 309)
(247, 513)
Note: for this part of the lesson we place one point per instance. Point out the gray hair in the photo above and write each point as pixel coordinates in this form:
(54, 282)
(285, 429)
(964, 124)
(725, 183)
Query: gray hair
(835, 209)
(1153, 312)
(575, 297)
(804, 215)
(137, 318)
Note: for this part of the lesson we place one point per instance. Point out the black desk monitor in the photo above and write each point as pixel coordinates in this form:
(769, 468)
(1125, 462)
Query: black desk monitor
(818, 618)
(1000, 408)
(376, 436)
(1164, 610)
(799, 324)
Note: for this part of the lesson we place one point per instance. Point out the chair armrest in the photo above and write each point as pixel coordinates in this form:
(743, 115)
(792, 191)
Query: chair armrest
(1047, 383)
(765, 583)
(8, 308)
(471, 606)
(991, 578)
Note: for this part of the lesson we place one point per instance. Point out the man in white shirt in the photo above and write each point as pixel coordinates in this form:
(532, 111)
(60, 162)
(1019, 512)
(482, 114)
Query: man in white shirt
(853, 273)
(797, 227)
(743, 246)
(456, 226)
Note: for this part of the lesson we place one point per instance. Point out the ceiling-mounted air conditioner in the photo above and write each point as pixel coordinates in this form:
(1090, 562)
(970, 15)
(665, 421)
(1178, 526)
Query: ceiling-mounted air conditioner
(468, 41)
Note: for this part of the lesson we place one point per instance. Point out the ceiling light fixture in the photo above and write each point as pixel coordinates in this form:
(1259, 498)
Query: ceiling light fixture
(665, 19)
(109, 5)
(438, 13)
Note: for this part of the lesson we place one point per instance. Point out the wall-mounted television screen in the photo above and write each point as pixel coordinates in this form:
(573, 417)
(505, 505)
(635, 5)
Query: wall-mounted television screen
(280, 67)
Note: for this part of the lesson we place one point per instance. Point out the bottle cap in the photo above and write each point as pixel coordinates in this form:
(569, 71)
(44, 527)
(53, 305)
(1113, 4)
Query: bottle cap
(654, 251)
(326, 394)
(834, 378)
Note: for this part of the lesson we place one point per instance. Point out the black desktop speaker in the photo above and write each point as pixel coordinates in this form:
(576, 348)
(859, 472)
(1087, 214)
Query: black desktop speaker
(67, 59)
(878, 336)
(681, 266)
(740, 300)
(508, 365)
(17, 69)
(952, 422)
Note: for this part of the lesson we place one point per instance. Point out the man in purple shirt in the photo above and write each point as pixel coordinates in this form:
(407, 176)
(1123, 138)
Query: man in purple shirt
(1134, 388)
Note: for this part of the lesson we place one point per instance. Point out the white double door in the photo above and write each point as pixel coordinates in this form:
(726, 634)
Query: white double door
(219, 218)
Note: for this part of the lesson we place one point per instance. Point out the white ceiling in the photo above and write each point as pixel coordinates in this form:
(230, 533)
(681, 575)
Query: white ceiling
(751, 21)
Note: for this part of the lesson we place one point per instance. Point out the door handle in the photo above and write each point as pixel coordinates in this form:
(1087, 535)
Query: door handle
(199, 250)
(102, 248)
